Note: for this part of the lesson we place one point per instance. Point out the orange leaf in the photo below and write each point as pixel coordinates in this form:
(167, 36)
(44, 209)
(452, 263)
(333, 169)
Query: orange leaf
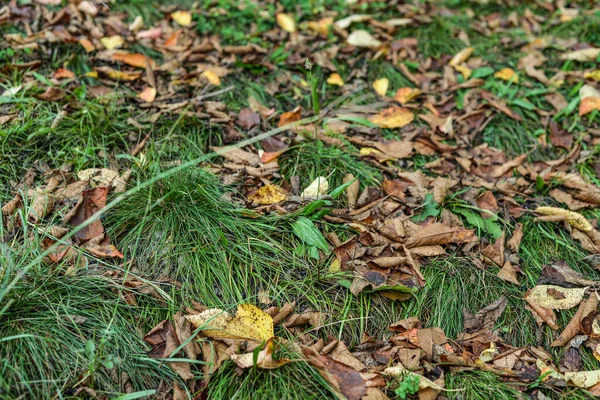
(290, 116)
(63, 73)
(172, 40)
(87, 45)
(135, 59)
(588, 105)
(148, 95)
(405, 95)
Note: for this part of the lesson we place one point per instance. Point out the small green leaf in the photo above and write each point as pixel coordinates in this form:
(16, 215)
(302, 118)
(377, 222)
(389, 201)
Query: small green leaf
(482, 72)
(358, 120)
(430, 209)
(523, 104)
(306, 230)
(340, 189)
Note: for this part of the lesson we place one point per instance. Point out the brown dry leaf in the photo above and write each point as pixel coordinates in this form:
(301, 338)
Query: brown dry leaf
(119, 75)
(393, 117)
(100, 177)
(93, 201)
(507, 74)
(112, 42)
(335, 79)
(395, 149)
(441, 187)
(504, 168)
(344, 378)
(574, 327)
(352, 190)
(290, 116)
(286, 22)
(438, 234)
(562, 275)
(268, 194)
(406, 95)
(508, 273)
(134, 59)
(249, 323)
(264, 359)
(52, 94)
(381, 86)
(555, 297)
(41, 206)
(248, 119)
(183, 18)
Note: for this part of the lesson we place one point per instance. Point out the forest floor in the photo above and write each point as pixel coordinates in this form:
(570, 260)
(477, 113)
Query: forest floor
(299, 199)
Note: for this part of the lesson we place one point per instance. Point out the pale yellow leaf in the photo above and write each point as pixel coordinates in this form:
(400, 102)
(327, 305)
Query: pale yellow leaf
(268, 194)
(286, 22)
(112, 42)
(318, 187)
(381, 86)
(360, 38)
(555, 297)
(461, 57)
(507, 74)
(249, 323)
(183, 18)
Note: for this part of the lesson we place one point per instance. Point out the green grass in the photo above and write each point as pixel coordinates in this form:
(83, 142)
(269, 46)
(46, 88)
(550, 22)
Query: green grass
(60, 331)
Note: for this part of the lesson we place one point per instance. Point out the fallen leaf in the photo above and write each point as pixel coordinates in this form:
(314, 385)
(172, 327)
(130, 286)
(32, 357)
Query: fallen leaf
(87, 45)
(583, 55)
(437, 234)
(588, 105)
(546, 296)
(212, 77)
(93, 201)
(318, 187)
(360, 38)
(268, 194)
(63, 73)
(346, 22)
(286, 22)
(182, 18)
(290, 116)
(52, 94)
(405, 95)
(134, 59)
(507, 74)
(264, 359)
(148, 95)
(461, 56)
(249, 323)
(248, 119)
(41, 206)
(112, 42)
(393, 117)
(137, 24)
(335, 79)
(381, 86)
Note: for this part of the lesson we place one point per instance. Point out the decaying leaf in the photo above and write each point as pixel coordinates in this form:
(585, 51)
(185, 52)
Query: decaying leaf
(507, 74)
(249, 323)
(335, 79)
(461, 56)
(112, 42)
(318, 187)
(268, 194)
(583, 55)
(555, 297)
(264, 358)
(183, 18)
(406, 95)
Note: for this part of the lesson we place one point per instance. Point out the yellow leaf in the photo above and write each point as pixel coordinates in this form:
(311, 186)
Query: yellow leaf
(574, 219)
(335, 79)
(321, 26)
(594, 75)
(507, 74)
(264, 359)
(405, 95)
(268, 194)
(555, 297)
(249, 323)
(183, 18)
(112, 42)
(286, 22)
(464, 70)
(318, 187)
(212, 77)
(381, 86)
(461, 57)
(583, 55)
(488, 355)
(92, 74)
(148, 95)
(393, 117)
